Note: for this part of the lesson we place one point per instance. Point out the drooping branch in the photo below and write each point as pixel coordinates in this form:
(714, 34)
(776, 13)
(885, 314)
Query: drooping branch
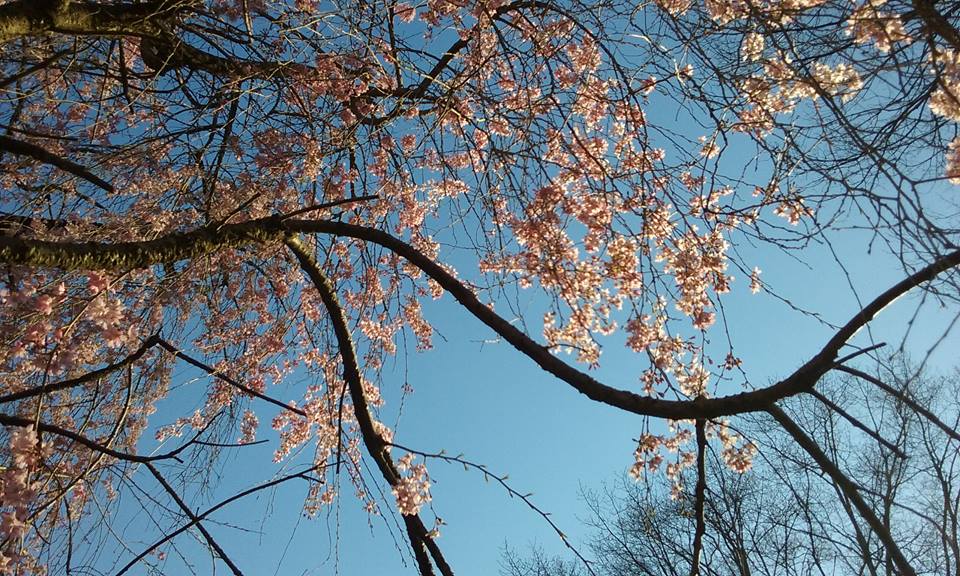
(420, 540)
(41, 154)
(88, 377)
(223, 377)
(8, 420)
(846, 486)
(514, 493)
(804, 378)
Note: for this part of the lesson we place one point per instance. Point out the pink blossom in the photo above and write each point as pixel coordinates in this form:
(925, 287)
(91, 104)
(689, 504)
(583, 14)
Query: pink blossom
(405, 12)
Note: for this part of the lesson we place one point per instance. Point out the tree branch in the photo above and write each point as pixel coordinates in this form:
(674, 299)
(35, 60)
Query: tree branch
(699, 497)
(8, 420)
(803, 379)
(846, 487)
(502, 481)
(41, 154)
(171, 535)
(88, 377)
(194, 519)
(32, 17)
(221, 376)
(903, 397)
(181, 246)
(378, 449)
(857, 423)
(131, 255)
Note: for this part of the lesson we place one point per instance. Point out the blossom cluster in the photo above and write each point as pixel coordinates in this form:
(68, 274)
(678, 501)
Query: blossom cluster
(412, 490)
(17, 491)
(870, 25)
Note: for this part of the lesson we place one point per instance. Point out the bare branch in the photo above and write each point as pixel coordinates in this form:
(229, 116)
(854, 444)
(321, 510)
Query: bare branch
(904, 397)
(8, 420)
(857, 423)
(699, 498)
(194, 519)
(847, 487)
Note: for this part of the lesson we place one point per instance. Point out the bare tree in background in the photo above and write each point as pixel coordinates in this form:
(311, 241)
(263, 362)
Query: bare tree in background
(785, 517)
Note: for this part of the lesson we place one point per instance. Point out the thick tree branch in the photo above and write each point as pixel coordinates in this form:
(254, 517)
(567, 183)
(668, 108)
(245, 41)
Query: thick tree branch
(132, 255)
(181, 246)
(801, 380)
(33, 17)
(167, 52)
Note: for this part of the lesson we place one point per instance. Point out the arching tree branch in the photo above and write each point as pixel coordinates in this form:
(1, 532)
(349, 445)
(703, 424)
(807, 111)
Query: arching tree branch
(182, 246)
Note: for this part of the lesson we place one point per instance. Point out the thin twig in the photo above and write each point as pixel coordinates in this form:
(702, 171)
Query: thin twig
(326, 205)
(194, 519)
(857, 423)
(860, 352)
(903, 397)
(502, 480)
